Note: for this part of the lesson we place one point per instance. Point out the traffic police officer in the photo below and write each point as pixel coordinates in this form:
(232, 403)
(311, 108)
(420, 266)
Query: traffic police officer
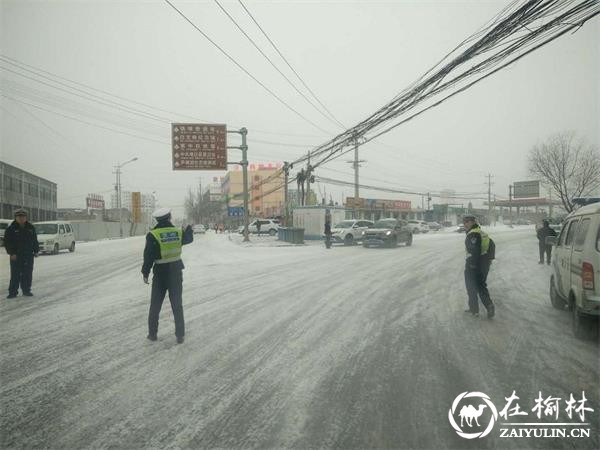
(163, 251)
(20, 242)
(477, 266)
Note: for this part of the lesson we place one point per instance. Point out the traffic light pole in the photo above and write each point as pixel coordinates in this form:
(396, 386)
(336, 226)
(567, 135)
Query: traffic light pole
(244, 163)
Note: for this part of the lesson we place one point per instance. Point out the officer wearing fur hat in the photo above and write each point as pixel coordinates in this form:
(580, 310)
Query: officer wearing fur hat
(20, 242)
(477, 266)
(162, 254)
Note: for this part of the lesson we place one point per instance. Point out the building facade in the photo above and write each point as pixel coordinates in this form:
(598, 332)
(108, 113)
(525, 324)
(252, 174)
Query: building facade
(147, 204)
(266, 198)
(22, 189)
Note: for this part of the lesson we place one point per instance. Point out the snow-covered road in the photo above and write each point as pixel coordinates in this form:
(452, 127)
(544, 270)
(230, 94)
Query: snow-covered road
(285, 347)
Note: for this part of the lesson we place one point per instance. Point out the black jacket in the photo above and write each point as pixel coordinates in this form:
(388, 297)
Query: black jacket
(152, 250)
(21, 241)
(543, 233)
(473, 246)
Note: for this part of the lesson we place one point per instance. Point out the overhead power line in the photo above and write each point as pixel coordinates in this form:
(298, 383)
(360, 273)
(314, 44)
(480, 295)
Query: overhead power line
(256, 46)
(290, 66)
(65, 82)
(515, 32)
(243, 69)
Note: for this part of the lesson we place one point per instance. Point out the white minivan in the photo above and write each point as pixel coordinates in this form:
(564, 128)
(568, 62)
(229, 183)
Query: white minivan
(55, 236)
(575, 280)
(4, 224)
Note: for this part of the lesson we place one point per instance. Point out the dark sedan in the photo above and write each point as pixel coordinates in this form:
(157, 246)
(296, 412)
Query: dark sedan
(388, 233)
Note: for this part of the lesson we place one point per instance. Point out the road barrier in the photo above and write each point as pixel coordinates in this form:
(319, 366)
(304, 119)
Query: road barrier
(292, 235)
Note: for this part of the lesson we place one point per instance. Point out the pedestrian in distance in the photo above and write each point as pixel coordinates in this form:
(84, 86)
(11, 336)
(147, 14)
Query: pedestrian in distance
(480, 250)
(542, 233)
(258, 227)
(20, 242)
(327, 228)
(162, 255)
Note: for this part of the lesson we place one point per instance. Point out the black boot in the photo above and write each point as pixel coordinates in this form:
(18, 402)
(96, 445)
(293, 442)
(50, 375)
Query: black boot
(491, 311)
(28, 294)
(151, 337)
(180, 339)
(12, 296)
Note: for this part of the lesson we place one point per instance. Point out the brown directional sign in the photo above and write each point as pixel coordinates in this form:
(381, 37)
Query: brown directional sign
(199, 146)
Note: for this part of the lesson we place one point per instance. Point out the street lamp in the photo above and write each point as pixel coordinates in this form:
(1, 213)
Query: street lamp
(118, 173)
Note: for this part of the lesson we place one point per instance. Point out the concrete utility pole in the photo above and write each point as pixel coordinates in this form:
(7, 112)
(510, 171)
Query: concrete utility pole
(356, 164)
(286, 174)
(244, 163)
(489, 183)
(308, 172)
(510, 187)
(118, 187)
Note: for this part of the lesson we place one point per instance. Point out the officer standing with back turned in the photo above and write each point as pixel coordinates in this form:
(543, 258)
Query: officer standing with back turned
(163, 251)
(477, 266)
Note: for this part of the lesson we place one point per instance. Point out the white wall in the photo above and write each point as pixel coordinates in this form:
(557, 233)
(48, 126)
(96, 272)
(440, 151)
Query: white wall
(94, 231)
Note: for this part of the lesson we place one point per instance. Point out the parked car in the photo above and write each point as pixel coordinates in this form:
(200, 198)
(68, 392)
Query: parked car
(418, 226)
(349, 231)
(267, 226)
(388, 233)
(4, 223)
(575, 280)
(434, 226)
(199, 229)
(522, 222)
(55, 236)
(460, 228)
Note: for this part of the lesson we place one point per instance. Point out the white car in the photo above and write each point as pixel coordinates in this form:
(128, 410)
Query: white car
(575, 280)
(267, 226)
(349, 231)
(199, 229)
(55, 236)
(418, 226)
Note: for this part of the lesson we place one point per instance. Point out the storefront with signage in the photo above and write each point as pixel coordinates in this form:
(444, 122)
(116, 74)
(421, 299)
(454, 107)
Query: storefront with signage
(375, 209)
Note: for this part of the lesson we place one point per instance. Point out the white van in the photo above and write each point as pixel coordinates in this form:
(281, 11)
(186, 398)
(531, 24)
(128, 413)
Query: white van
(575, 281)
(4, 223)
(55, 236)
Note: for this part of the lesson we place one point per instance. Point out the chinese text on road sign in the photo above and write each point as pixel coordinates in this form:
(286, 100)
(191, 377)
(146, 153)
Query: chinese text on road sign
(199, 146)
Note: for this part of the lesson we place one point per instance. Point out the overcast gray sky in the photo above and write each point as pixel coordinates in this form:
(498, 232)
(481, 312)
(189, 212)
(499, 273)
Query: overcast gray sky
(354, 55)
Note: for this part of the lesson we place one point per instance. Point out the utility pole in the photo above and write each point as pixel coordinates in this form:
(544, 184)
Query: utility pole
(356, 164)
(510, 188)
(244, 163)
(118, 188)
(489, 183)
(309, 170)
(286, 175)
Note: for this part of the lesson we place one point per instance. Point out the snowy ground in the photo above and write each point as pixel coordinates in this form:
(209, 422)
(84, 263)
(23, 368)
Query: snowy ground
(294, 346)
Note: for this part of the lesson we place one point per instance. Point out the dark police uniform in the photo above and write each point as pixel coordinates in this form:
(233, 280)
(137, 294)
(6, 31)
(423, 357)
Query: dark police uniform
(477, 266)
(542, 234)
(21, 241)
(163, 252)
(328, 229)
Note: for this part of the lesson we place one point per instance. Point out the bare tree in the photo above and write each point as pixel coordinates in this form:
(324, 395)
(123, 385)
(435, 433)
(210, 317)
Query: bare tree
(568, 165)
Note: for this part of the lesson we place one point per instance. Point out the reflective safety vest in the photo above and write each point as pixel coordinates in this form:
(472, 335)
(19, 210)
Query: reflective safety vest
(485, 240)
(169, 240)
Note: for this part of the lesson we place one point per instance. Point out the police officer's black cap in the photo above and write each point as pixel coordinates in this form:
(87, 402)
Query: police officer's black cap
(20, 212)
(469, 217)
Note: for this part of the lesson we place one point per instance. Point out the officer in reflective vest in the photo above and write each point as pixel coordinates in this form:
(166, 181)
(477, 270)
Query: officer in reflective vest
(477, 266)
(162, 254)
